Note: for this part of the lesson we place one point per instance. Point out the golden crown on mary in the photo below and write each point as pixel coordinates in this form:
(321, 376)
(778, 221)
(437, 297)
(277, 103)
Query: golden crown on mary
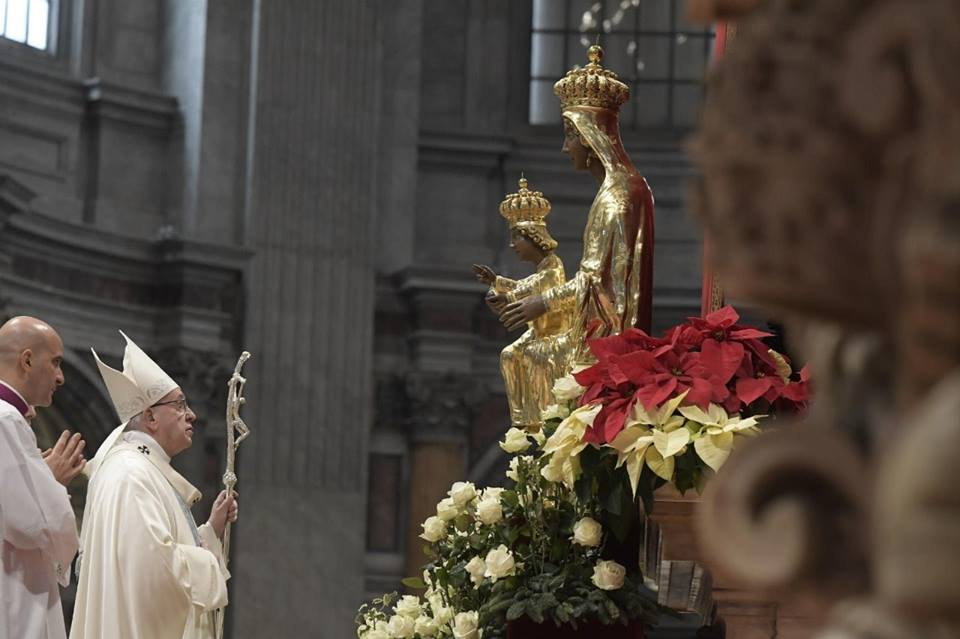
(592, 85)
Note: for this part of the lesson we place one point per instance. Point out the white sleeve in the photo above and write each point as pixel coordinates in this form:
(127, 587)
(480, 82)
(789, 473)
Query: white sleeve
(35, 511)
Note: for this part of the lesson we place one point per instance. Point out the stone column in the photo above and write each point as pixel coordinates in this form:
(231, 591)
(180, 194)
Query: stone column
(442, 407)
(298, 568)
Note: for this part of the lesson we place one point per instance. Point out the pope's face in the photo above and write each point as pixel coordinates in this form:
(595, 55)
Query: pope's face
(170, 422)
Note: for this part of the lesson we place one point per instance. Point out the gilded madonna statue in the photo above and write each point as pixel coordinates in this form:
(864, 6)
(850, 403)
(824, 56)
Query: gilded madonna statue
(531, 364)
(611, 290)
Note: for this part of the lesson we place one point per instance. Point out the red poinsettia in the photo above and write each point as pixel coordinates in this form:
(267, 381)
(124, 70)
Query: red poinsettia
(711, 359)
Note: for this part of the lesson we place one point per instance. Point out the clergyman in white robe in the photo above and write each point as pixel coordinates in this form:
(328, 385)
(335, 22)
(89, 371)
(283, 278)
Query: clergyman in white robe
(39, 533)
(146, 570)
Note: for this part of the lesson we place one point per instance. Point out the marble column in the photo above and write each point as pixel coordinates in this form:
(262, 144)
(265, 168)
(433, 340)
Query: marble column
(298, 568)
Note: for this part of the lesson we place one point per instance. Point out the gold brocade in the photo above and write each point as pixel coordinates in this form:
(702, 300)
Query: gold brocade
(531, 364)
(614, 282)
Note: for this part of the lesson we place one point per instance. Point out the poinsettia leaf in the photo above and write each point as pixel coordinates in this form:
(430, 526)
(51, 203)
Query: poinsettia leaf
(657, 392)
(637, 366)
(590, 375)
(669, 444)
(616, 417)
(723, 318)
(796, 391)
(663, 467)
(748, 333)
(712, 455)
(721, 359)
(748, 390)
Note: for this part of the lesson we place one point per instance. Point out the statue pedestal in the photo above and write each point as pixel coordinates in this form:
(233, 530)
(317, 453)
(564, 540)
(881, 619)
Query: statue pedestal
(672, 560)
(525, 629)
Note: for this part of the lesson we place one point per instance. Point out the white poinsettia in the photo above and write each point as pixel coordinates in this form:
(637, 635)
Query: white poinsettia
(651, 437)
(566, 443)
(719, 432)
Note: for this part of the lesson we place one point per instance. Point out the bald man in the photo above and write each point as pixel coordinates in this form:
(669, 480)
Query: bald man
(37, 523)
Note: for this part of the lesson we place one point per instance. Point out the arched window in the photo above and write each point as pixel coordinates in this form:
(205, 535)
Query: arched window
(648, 43)
(28, 22)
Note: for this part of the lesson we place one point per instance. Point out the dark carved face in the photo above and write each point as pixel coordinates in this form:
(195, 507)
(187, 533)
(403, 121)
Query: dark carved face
(526, 250)
(573, 147)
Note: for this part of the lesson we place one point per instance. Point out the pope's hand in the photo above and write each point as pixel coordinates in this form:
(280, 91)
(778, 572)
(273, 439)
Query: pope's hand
(225, 509)
(65, 459)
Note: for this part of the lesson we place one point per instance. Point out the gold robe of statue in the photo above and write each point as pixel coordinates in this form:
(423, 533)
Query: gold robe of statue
(531, 364)
(611, 291)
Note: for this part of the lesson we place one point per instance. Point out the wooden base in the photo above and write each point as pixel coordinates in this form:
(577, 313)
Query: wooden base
(525, 629)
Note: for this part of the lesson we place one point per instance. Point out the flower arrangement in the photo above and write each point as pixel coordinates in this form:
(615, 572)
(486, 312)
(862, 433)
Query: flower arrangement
(560, 545)
(535, 549)
(671, 408)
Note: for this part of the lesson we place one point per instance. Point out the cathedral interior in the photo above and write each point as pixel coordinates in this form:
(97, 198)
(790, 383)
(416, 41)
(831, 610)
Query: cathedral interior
(311, 181)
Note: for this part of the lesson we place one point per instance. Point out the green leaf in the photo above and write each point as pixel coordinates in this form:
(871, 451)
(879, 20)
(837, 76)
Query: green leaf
(516, 610)
(414, 582)
(534, 611)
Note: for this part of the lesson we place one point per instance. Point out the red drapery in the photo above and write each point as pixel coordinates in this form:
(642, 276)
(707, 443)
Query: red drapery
(711, 294)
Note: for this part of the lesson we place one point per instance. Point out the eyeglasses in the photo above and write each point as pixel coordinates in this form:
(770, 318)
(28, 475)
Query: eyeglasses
(180, 405)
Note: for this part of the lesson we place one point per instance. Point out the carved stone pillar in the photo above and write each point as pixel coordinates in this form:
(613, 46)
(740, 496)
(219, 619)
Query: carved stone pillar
(300, 550)
(442, 407)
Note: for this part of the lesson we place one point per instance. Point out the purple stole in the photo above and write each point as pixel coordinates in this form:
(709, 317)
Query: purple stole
(10, 396)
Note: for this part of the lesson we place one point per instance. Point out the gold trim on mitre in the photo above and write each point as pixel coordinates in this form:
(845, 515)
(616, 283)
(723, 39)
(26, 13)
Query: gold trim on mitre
(591, 85)
(526, 211)
(140, 384)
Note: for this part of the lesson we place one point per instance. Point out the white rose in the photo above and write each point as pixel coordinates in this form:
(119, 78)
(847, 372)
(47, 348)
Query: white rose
(567, 388)
(493, 492)
(443, 615)
(465, 626)
(376, 633)
(447, 509)
(435, 599)
(426, 626)
(476, 567)
(401, 627)
(554, 411)
(499, 563)
(608, 575)
(489, 511)
(434, 529)
(515, 466)
(515, 441)
(587, 532)
(462, 492)
(539, 437)
(408, 606)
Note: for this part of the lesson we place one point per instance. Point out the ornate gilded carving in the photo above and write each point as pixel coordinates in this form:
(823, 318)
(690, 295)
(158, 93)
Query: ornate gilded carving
(830, 153)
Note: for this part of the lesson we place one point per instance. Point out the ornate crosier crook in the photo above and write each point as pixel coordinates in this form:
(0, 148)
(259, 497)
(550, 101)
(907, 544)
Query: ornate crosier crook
(237, 431)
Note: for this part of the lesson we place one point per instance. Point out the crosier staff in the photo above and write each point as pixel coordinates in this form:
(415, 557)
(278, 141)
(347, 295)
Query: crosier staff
(237, 431)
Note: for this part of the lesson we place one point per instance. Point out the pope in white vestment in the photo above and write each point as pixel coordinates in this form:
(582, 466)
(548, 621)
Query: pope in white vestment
(146, 571)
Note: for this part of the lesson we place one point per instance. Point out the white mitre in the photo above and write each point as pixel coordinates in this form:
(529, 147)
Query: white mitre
(141, 384)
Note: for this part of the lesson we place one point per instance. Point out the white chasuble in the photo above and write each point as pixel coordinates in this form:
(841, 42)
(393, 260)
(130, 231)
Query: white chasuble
(39, 533)
(146, 570)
